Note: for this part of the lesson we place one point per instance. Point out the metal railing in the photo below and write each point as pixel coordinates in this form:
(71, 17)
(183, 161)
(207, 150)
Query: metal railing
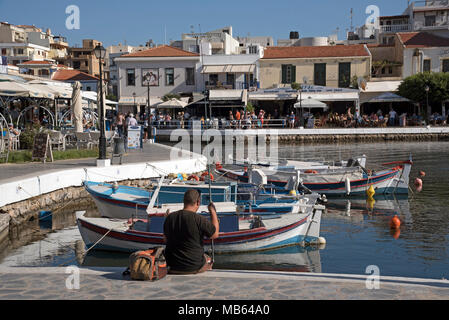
(395, 28)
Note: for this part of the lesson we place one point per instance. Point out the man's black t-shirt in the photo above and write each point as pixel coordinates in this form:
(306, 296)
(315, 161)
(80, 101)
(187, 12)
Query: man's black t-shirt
(185, 231)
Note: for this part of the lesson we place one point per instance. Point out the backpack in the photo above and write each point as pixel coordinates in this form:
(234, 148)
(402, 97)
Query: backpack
(147, 265)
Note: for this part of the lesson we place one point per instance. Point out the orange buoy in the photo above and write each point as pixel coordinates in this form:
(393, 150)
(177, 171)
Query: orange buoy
(193, 177)
(422, 173)
(418, 182)
(395, 223)
(395, 233)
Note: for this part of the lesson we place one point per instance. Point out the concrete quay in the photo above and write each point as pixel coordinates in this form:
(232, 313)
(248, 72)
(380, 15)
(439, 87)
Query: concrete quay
(56, 283)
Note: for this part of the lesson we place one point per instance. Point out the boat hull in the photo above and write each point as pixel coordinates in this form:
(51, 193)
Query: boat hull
(113, 235)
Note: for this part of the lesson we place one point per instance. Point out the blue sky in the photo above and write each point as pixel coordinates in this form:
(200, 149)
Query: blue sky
(136, 21)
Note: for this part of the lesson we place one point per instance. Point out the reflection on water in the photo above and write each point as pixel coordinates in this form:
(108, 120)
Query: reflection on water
(356, 230)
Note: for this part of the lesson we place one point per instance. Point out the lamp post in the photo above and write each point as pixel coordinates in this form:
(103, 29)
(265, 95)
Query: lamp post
(149, 128)
(100, 53)
(427, 100)
(134, 106)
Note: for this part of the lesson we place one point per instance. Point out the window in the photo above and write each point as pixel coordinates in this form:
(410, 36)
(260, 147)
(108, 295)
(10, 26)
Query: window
(446, 65)
(190, 76)
(344, 74)
(390, 70)
(169, 76)
(130, 77)
(230, 79)
(213, 79)
(426, 65)
(288, 74)
(194, 48)
(3, 52)
(430, 21)
(252, 49)
(319, 77)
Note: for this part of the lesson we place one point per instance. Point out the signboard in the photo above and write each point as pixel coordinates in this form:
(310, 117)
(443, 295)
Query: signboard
(134, 137)
(42, 147)
(3, 64)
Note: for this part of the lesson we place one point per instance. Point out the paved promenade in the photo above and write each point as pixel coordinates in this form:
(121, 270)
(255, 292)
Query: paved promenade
(149, 153)
(108, 283)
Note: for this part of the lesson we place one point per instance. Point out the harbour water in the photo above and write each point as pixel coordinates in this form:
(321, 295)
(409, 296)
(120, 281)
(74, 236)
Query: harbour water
(357, 231)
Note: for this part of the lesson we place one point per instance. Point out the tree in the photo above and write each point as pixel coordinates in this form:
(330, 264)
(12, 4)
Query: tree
(296, 86)
(414, 88)
(169, 96)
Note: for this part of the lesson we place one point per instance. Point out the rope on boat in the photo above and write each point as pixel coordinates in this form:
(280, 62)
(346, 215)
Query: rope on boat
(93, 246)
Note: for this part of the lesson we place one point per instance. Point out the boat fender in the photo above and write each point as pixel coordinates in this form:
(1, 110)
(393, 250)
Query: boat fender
(218, 165)
(204, 174)
(321, 240)
(311, 171)
(193, 177)
(418, 182)
(348, 186)
(370, 192)
(185, 176)
(422, 173)
(114, 187)
(293, 192)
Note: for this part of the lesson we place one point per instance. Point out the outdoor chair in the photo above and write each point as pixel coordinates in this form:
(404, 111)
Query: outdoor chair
(95, 138)
(57, 138)
(83, 139)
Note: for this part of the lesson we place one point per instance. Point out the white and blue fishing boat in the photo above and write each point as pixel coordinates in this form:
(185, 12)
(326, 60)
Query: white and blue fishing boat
(118, 201)
(353, 180)
(237, 233)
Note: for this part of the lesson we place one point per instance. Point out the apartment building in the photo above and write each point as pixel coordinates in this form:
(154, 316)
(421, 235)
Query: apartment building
(171, 70)
(332, 66)
(83, 58)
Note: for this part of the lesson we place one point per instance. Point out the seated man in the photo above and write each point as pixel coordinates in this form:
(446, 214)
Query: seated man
(184, 231)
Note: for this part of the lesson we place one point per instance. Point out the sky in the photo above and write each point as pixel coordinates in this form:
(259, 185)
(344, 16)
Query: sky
(137, 21)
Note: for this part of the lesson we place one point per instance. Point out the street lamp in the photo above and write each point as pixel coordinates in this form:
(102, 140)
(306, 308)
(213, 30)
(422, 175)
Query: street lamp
(134, 106)
(427, 98)
(100, 53)
(149, 127)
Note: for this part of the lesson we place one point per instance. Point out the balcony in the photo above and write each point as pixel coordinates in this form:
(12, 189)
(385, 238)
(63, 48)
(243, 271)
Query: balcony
(395, 28)
(437, 25)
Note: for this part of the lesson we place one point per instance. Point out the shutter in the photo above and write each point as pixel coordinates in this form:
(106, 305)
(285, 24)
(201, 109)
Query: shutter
(284, 74)
(293, 73)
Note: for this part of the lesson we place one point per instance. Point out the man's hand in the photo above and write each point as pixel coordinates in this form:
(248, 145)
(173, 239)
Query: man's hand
(211, 207)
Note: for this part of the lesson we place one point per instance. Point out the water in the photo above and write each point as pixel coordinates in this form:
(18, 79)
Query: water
(357, 232)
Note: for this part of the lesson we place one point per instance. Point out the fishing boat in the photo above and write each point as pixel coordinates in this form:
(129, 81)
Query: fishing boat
(346, 181)
(118, 201)
(237, 233)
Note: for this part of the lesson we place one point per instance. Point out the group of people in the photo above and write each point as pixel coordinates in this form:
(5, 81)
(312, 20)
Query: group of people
(248, 119)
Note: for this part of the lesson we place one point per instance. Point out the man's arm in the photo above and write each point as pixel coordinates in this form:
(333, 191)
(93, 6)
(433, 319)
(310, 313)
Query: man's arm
(214, 219)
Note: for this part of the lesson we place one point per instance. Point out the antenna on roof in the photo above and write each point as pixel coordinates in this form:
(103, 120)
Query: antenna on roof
(352, 16)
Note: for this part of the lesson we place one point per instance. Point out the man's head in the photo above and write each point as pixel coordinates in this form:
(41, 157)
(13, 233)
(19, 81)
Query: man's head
(192, 200)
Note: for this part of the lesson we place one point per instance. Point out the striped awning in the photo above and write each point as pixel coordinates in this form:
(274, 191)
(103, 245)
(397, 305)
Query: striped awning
(229, 68)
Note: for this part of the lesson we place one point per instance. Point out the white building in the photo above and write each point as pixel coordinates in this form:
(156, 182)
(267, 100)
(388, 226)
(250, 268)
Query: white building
(171, 70)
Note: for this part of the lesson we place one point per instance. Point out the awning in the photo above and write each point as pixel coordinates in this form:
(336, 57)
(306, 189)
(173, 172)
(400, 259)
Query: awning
(273, 94)
(388, 97)
(229, 68)
(92, 96)
(139, 100)
(13, 89)
(311, 104)
(382, 86)
(225, 95)
(336, 96)
(172, 104)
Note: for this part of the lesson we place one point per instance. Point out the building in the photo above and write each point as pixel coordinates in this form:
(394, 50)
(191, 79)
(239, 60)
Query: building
(421, 52)
(88, 82)
(218, 41)
(15, 46)
(83, 59)
(333, 66)
(172, 70)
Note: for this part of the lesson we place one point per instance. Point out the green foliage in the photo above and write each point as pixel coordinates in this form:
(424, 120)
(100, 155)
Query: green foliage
(111, 97)
(296, 86)
(169, 96)
(249, 107)
(27, 136)
(23, 156)
(413, 87)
